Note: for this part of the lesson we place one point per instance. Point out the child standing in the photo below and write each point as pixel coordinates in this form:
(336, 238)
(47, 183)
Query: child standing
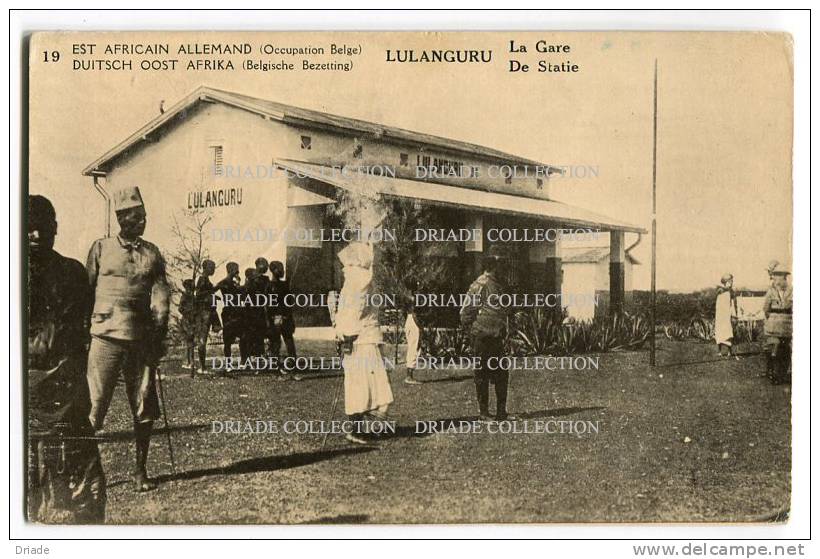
(413, 334)
(186, 311)
(725, 313)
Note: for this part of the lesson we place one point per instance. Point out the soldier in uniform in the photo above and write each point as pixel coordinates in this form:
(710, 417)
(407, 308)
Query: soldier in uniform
(777, 307)
(129, 321)
(231, 314)
(205, 316)
(66, 482)
(487, 325)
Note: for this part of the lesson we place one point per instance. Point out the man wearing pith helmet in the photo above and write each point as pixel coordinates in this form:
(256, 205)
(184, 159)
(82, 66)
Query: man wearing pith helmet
(777, 307)
(129, 321)
(486, 323)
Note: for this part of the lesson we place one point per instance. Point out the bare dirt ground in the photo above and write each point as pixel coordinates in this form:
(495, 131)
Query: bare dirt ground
(696, 438)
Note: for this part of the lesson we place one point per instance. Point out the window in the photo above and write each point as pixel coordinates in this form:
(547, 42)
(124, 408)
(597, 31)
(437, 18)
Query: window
(357, 152)
(217, 160)
(404, 159)
(306, 142)
(539, 183)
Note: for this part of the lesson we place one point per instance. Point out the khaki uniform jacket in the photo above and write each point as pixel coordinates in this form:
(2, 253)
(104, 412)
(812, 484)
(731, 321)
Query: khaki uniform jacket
(131, 293)
(484, 319)
(777, 306)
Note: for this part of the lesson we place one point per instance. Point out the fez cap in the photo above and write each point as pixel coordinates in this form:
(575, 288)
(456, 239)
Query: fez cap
(127, 198)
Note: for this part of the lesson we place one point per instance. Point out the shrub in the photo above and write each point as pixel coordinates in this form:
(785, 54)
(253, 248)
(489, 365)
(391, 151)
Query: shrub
(539, 332)
(445, 342)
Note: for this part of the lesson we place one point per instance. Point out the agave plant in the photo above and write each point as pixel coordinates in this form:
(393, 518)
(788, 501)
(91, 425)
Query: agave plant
(636, 330)
(542, 332)
(534, 332)
(676, 331)
(749, 331)
(445, 342)
(703, 329)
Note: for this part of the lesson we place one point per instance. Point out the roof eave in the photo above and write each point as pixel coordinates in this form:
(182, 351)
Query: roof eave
(97, 167)
(200, 94)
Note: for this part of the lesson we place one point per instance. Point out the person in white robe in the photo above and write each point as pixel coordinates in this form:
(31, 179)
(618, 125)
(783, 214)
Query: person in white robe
(366, 384)
(725, 313)
(413, 334)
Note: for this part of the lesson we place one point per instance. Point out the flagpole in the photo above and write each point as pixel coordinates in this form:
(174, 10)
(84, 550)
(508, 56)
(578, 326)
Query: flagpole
(654, 209)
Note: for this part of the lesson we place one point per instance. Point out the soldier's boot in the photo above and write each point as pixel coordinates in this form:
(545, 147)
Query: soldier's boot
(142, 434)
(482, 390)
(202, 357)
(501, 385)
(781, 369)
(773, 368)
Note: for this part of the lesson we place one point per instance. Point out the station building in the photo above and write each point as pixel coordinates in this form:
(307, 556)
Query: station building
(265, 178)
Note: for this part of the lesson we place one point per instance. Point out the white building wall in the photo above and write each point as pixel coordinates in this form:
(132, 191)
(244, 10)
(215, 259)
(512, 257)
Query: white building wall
(580, 282)
(174, 167)
(589, 279)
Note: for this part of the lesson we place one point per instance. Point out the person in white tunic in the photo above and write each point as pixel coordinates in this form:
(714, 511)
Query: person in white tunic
(367, 386)
(413, 334)
(725, 312)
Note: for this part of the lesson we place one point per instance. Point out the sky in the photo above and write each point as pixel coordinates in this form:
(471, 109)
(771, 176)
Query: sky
(724, 187)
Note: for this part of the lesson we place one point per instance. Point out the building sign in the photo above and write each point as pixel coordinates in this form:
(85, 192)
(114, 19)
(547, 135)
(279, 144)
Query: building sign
(222, 197)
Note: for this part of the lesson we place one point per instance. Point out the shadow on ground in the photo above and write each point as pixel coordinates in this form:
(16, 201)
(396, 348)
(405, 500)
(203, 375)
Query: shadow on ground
(266, 464)
(340, 519)
(119, 436)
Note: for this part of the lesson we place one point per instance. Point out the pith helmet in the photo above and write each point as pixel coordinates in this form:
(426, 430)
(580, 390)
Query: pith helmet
(779, 269)
(126, 198)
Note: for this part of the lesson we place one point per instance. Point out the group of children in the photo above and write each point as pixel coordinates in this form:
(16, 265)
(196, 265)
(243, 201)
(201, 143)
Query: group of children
(249, 326)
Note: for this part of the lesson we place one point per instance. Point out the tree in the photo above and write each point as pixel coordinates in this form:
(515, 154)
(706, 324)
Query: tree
(402, 265)
(184, 261)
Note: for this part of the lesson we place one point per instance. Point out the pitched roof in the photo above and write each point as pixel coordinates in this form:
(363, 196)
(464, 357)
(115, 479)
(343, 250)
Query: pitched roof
(299, 116)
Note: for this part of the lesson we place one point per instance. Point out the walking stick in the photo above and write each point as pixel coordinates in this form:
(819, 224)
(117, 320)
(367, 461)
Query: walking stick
(165, 420)
(332, 307)
(333, 408)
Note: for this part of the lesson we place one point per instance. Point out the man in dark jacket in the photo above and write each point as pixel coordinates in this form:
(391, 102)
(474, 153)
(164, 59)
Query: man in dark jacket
(254, 325)
(65, 477)
(280, 316)
(487, 324)
(205, 317)
(231, 314)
